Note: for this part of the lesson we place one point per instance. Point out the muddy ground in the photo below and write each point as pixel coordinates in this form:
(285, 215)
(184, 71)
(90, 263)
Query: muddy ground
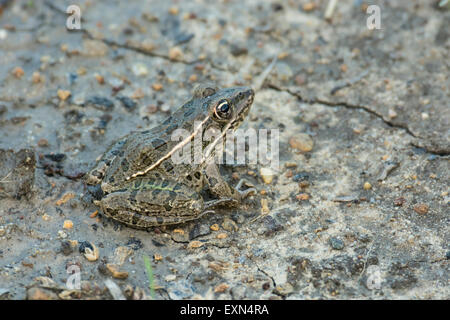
(359, 208)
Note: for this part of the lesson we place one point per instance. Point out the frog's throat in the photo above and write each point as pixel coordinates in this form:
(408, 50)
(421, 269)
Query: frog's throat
(174, 149)
(212, 145)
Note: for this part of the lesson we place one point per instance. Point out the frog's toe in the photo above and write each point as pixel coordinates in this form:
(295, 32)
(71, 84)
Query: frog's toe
(245, 193)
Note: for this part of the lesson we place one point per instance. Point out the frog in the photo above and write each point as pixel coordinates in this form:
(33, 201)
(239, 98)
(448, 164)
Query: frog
(141, 184)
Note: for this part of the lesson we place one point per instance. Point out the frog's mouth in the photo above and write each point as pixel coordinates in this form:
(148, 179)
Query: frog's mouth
(243, 101)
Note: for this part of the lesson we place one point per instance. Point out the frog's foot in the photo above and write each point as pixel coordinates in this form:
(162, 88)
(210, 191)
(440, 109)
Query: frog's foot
(96, 175)
(244, 193)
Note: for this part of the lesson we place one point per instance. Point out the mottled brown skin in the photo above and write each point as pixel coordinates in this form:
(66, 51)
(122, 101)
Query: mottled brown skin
(144, 188)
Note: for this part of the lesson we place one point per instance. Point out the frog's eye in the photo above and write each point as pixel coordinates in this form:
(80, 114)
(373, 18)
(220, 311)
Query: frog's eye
(222, 110)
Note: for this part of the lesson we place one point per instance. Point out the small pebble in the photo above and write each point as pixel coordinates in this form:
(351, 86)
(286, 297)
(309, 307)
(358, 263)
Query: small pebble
(18, 72)
(195, 244)
(63, 94)
(267, 175)
(302, 196)
(392, 114)
(300, 80)
(301, 142)
(421, 208)
(399, 201)
(174, 10)
(193, 78)
(81, 71)
(291, 165)
(157, 257)
(221, 288)
(3, 34)
(35, 293)
(42, 143)
(90, 251)
(36, 77)
(45, 217)
(139, 69)
(62, 234)
(283, 55)
(222, 235)
(66, 248)
(148, 45)
(310, 6)
(100, 79)
(264, 206)
(115, 272)
(214, 227)
(175, 53)
(229, 225)
(138, 94)
(68, 224)
(367, 186)
(336, 244)
(180, 231)
(66, 197)
(170, 277)
(157, 86)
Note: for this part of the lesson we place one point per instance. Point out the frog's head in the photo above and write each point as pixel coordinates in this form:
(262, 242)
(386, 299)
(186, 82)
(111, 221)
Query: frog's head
(226, 107)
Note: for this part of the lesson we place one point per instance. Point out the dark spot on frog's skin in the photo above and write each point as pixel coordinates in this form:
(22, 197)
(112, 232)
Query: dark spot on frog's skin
(125, 165)
(137, 183)
(168, 166)
(135, 219)
(188, 112)
(145, 132)
(156, 192)
(177, 187)
(172, 195)
(167, 121)
(212, 181)
(158, 143)
(159, 220)
(189, 178)
(171, 128)
(110, 213)
(133, 195)
(167, 207)
(165, 183)
(197, 175)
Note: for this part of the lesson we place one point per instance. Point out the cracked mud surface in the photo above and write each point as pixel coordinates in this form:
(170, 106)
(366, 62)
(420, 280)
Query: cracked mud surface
(369, 201)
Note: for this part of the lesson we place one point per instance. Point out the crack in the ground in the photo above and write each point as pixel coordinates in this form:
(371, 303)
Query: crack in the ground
(365, 109)
(266, 274)
(153, 54)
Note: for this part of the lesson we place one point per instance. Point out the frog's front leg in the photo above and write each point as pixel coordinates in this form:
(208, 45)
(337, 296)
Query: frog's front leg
(220, 188)
(97, 173)
(147, 202)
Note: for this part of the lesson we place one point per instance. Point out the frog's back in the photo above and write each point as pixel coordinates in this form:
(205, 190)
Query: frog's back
(144, 149)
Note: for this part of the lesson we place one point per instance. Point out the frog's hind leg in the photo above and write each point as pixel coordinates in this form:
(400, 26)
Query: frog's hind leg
(148, 202)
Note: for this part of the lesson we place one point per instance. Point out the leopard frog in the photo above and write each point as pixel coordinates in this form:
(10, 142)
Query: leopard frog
(141, 184)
